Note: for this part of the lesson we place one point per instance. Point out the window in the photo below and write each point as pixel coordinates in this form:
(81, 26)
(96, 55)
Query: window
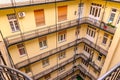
(13, 22)
(112, 15)
(91, 32)
(61, 69)
(27, 69)
(85, 62)
(47, 77)
(99, 57)
(80, 10)
(62, 36)
(62, 13)
(21, 48)
(42, 42)
(88, 49)
(45, 62)
(95, 10)
(61, 55)
(39, 17)
(110, 40)
(105, 38)
(118, 20)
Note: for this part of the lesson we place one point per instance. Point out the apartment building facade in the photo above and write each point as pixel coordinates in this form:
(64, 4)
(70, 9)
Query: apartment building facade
(59, 40)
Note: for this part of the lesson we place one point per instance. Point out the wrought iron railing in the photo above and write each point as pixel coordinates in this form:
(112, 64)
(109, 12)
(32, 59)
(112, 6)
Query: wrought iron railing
(39, 75)
(118, 1)
(10, 40)
(81, 55)
(112, 74)
(53, 51)
(78, 67)
(7, 73)
(23, 3)
(86, 72)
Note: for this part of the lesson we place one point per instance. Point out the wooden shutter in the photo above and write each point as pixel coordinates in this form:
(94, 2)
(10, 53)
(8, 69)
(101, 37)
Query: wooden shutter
(62, 13)
(62, 32)
(39, 17)
(42, 38)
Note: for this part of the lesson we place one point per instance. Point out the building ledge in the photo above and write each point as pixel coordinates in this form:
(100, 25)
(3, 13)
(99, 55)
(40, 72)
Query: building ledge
(28, 3)
(25, 36)
(61, 48)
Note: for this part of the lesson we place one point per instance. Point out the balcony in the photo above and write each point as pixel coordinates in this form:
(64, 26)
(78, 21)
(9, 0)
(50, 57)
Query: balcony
(23, 3)
(82, 69)
(41, 74)
(112, 74)
(95, 66)
(65, 74)
(56, 50)
(14, 39)
(117, 1)
(7, 73)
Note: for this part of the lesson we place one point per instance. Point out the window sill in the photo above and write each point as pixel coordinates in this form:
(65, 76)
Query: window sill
(61, 41)
(43, 47)
(45, 65)
(23, 55)
(103, 44)
(15, 31)
(60, 58)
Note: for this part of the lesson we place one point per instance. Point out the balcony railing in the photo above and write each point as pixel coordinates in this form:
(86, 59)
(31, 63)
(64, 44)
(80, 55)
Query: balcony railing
(95, 66)
(118, 1)
(10, 40)
(39, 75)
(65, 74)
(23, 3)
(86, 72)
(112, 74)
(7, 73)
(81, 55)
(78, 67)
(53, 51)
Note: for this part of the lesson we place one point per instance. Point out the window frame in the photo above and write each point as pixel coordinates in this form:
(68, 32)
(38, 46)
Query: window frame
(21, 48)
(45, 62)
(62, 36)
(61, 55)
(109, 21)
(12, 18)
(43, 42)
(105, 38)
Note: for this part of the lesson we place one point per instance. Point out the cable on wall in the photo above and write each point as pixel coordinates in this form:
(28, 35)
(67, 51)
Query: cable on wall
(101, 21)
(21, 37)
(77, 35)
(55, 5)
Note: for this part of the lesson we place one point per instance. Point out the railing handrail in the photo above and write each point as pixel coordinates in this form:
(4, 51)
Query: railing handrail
(52, 28)
(85, 40)
(109, 72)
(15, 4)
(2, 67)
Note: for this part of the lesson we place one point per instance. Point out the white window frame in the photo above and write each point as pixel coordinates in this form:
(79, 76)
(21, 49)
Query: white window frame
(118, 21)
(43, 44)
(110, 15)
(62, 37)
(105, 37)
(13, 28)
(91, 14)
